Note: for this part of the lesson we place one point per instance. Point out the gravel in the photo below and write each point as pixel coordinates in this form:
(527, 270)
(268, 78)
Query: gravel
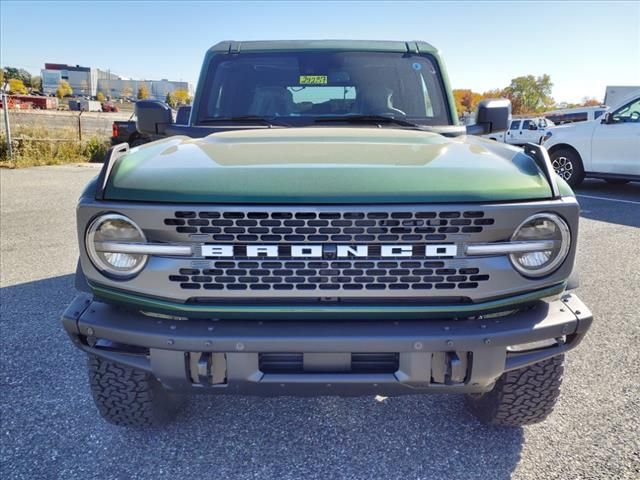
(50, 428)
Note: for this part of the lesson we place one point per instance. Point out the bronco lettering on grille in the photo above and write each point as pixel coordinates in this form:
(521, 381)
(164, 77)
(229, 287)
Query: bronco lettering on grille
(320, 251)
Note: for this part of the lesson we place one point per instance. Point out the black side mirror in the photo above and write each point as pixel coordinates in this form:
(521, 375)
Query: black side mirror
(182, 117)
(152, 117)
(532, 126)
(606, 118)
(493, 115)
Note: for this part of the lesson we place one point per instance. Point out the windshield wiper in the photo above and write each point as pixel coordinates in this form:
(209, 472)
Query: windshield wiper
(247, 119)
(379, 119)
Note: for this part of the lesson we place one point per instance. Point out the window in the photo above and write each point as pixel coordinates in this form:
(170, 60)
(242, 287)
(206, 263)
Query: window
(525, 124)
(515, 125)
(598, 113)
(630, 113)
(308, 98)
(302, 86)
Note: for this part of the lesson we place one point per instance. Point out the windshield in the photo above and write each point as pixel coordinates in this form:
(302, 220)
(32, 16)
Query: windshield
(301, 87)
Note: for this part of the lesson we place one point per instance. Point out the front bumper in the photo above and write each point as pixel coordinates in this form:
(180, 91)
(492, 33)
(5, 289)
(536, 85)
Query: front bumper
(452, 355)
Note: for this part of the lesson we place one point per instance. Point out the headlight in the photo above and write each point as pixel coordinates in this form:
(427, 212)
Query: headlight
(543, 226)
(114, 228)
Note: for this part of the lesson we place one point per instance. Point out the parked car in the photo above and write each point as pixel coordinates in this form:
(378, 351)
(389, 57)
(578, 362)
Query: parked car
(109, 107)
(323, 226)
(522, 130)
(578, 114)
(607, 148)
(125, 131)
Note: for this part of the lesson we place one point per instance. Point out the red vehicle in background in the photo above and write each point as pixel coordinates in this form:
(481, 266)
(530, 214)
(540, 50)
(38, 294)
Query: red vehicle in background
(109, 107)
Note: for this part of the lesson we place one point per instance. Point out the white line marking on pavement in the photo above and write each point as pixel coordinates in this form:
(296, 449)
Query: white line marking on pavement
(633, 202)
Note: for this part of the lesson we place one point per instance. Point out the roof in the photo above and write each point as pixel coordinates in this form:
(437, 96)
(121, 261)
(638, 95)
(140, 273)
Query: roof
(414, 46)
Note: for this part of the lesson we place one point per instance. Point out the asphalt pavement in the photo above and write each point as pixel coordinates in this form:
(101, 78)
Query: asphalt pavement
(51, 429)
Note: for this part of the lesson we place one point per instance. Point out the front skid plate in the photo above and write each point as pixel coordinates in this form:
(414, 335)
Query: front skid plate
(241, 341)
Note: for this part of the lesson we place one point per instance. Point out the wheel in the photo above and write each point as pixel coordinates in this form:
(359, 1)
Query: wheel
(616, 181)
(520, 397)
(568, 165)
(128, 397)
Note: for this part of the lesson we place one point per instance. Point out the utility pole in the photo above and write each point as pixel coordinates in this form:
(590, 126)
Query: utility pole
(5, 108)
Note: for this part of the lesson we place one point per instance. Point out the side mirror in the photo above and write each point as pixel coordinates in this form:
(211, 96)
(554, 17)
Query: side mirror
(492, 116)
(152, 117)
(182, 117)
(606, 118)
(532, 126)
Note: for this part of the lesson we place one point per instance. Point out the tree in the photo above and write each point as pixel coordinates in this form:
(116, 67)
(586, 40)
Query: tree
(143, 92)
(100, 97)
(529, 94)
(16, 87)
(169, 100)
(36, 83)
(19, 74)
(181, 97)
(63, 89)
(590, 102)
(126, 90)
(466, 100)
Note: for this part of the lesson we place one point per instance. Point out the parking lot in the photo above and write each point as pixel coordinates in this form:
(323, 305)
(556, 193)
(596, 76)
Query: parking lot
(51, 429)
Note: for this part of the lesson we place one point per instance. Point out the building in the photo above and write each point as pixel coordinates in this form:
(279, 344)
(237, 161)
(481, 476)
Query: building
(87, 82)
(83, 80)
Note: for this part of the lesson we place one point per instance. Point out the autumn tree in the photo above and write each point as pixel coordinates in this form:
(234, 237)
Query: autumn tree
(127, 91)
(466, 100)
(590, 102)
(100, 97)
(529, 94)
(63, 89)
(143, 92)
(181, 97)
(16, 87)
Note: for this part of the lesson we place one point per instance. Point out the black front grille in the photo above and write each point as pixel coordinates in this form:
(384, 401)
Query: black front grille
(360, 363)
(320, 275)
(329, 226)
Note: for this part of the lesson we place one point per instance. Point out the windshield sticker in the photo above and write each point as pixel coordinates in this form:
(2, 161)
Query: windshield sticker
(313, 79)
(416, 66)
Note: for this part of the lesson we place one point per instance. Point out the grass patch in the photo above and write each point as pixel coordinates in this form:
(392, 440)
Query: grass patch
(33, 147)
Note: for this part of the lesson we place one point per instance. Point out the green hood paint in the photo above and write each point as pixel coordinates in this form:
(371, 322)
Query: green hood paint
(326, 165)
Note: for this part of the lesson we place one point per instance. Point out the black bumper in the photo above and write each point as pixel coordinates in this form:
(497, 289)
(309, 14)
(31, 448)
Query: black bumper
(227, 356)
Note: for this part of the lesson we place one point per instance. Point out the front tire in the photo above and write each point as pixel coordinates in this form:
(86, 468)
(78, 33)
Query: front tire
(128, 397)
(568, 166)
(520, 397)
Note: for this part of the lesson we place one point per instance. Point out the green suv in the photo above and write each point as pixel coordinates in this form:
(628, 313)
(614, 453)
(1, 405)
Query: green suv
(323, 226)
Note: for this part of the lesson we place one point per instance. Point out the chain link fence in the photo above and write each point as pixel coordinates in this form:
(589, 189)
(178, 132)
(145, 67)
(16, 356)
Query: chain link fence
(60, 126)
(54, 137)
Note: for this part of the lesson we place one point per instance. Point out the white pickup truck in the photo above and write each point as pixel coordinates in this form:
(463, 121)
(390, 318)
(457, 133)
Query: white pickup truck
(523, 130)
(607, 148)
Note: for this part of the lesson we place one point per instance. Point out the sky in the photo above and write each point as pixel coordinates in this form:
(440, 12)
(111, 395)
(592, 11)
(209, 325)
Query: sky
(583, 46)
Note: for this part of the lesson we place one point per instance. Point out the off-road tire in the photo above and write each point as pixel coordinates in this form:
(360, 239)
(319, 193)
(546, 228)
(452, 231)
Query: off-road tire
(128, 397)
(564, 159)
(520, 397)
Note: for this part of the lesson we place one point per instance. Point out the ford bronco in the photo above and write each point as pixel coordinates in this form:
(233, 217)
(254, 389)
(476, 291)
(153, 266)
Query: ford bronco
(323, 226)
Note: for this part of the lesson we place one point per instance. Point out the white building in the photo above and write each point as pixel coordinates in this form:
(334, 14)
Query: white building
(87, 82)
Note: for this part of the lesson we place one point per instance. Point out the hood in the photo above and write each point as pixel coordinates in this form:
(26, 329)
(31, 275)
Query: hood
(326, 165)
